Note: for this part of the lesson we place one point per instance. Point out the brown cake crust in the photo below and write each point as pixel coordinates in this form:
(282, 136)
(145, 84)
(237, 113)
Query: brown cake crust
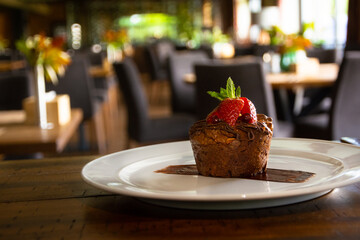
(224, 151)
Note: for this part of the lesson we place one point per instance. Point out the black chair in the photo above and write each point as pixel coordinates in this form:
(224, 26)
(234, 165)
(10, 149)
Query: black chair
(141, 127)
(344, 117)
(260, 50)
(78, 84)
(207, 49)
(6, 55)
(247, 73)
(96, 58)
(182, 93)
(14, 88)
(324, 55)
(318, 97)
(156, 54)
(105, 88)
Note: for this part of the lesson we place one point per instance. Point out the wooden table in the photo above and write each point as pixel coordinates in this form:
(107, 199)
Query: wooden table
(11, 65)
(16, 137)
(47, 199)
(326, 76)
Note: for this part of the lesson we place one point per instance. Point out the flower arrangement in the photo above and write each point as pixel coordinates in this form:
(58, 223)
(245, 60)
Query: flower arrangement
(118, 45)
(294, 43)
(46, 51)
(117, 39)
(288, 42)
(291, 47)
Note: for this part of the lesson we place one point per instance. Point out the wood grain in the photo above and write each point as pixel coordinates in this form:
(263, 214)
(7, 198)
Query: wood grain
(47, 199)
(326, 77)
(20, 138)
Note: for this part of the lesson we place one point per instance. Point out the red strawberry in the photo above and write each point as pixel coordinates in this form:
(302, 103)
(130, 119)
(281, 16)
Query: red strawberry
(248, 112)
(227, 111)
(232, 107)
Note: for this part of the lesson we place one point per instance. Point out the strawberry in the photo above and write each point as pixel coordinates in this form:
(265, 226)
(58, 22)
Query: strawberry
(232, 107)
(227, 111)
(248, 112)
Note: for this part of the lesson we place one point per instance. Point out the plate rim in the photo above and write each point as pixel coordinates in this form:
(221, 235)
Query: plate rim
(217, 198)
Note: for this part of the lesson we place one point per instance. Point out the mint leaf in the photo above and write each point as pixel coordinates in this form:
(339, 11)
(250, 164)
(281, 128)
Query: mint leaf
(229, 92)
(223, 93)
(238, 92)
(230, 88)
(215, 95)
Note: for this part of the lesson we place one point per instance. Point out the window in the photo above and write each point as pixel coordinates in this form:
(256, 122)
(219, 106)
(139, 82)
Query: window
(327, 21)
(324, 22)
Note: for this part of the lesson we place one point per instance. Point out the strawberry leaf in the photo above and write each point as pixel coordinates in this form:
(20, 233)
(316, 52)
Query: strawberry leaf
(229, 92)
(223, 93)
(216, 95)
(238, 92)
(230, 88)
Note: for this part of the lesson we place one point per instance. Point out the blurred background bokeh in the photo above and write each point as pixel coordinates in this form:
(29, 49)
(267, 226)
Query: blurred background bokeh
(188, 23)
(282, 33)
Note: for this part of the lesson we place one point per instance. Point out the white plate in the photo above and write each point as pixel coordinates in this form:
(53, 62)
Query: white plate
(131, 173)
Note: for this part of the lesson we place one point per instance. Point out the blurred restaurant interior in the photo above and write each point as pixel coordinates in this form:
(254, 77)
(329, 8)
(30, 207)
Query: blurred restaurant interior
(101, 76)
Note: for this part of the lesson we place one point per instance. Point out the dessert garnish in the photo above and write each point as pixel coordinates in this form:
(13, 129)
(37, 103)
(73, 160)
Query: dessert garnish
(234, 142)
(232, 107)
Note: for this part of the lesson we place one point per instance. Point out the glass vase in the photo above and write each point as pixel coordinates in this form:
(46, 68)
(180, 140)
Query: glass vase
(287, 59)
(40, 97)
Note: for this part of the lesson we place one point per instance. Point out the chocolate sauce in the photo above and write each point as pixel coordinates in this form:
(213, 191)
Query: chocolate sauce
(271, 174)
(264, 124)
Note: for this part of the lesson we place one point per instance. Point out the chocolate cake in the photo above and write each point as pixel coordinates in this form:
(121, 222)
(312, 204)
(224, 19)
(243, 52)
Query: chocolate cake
(221, 150)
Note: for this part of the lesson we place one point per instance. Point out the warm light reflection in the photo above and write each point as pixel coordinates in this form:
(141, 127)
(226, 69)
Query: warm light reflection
(96, 48)
(223, 50)
(243, 20)
(207, 13)
(76, 35)
(135, 19)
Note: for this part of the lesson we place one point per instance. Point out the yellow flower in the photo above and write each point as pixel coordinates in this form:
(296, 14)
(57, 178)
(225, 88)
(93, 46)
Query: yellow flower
(47, 51)
(116, 38)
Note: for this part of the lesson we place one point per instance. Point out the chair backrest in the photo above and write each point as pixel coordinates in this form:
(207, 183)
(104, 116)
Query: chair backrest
(345, 113)
(13, 89)
(182, 93)
(324, 55)
(96, 59)
(78, 84)
(208, 50)
(6, 55)
(247, 73)
(157, 54)
(260, 50)
(134, 96)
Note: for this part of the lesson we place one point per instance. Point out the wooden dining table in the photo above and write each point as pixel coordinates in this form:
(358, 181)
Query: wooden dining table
(324, 78)
(48, 199)
(11, 65)
(19, 137)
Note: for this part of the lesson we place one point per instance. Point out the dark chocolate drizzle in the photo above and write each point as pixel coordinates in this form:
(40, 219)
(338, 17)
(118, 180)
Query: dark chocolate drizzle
(249, 128)
(271, 174)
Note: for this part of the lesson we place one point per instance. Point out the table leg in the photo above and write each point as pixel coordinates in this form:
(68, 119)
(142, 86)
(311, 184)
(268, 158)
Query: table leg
(284, 104)
(299, 100)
